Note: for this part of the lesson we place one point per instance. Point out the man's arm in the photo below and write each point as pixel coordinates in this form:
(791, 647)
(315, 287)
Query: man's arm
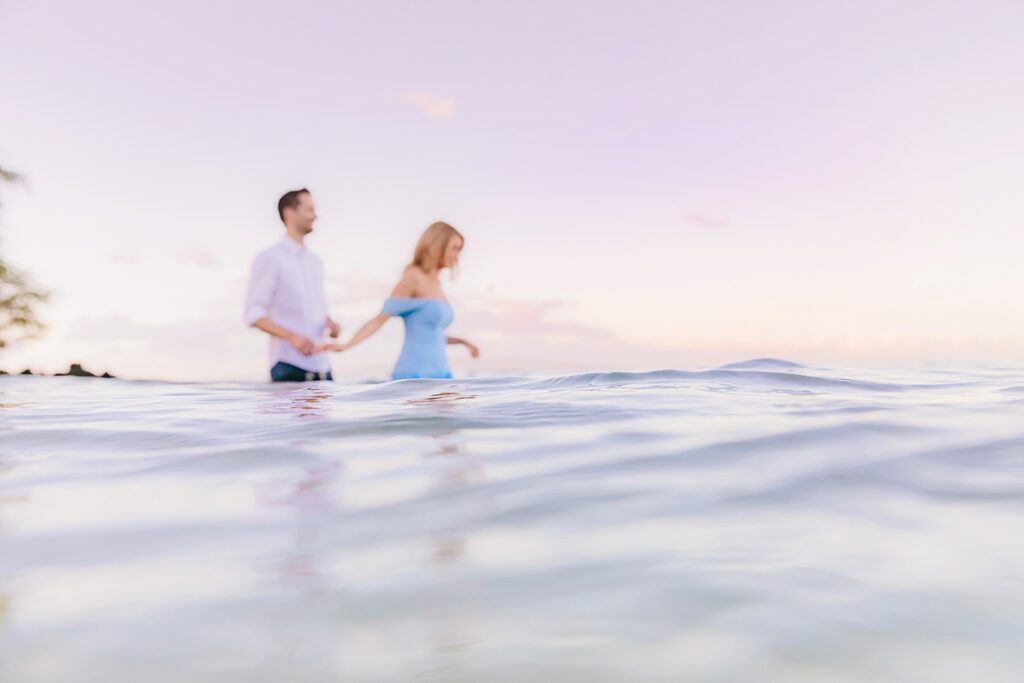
(301, 344)
(257, 304)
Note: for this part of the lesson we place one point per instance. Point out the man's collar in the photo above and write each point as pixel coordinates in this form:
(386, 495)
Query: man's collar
(292, 245)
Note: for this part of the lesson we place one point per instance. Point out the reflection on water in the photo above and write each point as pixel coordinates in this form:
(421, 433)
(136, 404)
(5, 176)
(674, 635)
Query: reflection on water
(454, 627)
(312, 500)
(5, 500)
(441, 398)
(762, 521)
(310, 565)
(301, 401)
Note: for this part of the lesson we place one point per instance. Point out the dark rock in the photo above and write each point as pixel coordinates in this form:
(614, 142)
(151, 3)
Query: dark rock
(76, 370)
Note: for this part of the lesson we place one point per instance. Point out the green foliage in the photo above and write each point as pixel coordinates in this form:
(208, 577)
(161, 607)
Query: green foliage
(18, 300)
(9, 176)
(18, 296)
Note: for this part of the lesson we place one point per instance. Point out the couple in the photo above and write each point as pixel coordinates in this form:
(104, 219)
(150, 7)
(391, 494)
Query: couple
(286, 300)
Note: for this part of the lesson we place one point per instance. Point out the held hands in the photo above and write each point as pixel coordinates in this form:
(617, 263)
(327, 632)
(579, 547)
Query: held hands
(334, 331)
(302, 345)
(306, 347)
(338, 348)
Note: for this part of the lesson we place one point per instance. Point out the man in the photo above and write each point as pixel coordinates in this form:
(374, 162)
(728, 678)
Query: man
(286, 297)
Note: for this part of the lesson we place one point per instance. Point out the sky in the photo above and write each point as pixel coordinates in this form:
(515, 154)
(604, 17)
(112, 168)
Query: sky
(642, 185)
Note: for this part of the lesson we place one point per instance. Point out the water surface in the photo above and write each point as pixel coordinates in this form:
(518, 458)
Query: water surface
(764, 521)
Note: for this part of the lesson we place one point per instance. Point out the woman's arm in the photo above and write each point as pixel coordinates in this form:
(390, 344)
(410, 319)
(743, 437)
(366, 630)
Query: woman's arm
(367, 330)
(405, 287)
(473, 350)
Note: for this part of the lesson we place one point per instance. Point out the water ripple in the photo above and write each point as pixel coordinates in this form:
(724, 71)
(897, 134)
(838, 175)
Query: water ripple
(762, 520)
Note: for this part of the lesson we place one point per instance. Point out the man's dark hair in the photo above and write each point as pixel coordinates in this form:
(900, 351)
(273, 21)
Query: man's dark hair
(289, 200)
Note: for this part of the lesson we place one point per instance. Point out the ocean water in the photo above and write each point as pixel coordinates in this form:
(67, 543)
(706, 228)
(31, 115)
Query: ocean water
(764, 521)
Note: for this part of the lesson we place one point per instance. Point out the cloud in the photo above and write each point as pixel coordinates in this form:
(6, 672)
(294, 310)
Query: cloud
(537, 319)
(432, 105)
(213, 345)
(357, 288)
(704, 221)
(108, 328)
(126, 259)
(198, 257)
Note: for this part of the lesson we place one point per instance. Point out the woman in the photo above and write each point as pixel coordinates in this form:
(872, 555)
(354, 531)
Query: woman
(420, 301)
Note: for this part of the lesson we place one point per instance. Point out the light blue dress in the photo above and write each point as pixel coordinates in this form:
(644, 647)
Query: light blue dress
(423, 353)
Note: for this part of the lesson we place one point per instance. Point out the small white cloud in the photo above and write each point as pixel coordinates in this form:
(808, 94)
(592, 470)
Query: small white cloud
(357, 288)
(704, 221)
(106, 328)
(126, 259)
(430, 104)
(198, 257)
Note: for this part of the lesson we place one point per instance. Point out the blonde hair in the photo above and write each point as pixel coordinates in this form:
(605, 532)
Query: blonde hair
(432, 245)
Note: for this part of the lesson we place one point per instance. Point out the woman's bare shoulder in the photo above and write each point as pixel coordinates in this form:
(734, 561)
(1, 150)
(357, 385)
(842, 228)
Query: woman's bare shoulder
(413, 271)
(412, 276)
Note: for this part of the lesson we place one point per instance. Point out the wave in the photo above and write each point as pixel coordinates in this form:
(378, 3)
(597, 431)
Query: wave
(763, 364)
(728, 378)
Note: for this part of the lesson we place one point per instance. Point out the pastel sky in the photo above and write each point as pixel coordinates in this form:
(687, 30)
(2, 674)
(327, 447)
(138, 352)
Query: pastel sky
(641, 184)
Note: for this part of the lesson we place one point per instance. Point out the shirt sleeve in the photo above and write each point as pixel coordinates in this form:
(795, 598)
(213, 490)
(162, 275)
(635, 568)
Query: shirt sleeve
(401, 306)
(261, 288)
(322, 289)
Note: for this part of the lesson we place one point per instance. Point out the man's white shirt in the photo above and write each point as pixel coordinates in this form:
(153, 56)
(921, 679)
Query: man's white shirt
(287, 286)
